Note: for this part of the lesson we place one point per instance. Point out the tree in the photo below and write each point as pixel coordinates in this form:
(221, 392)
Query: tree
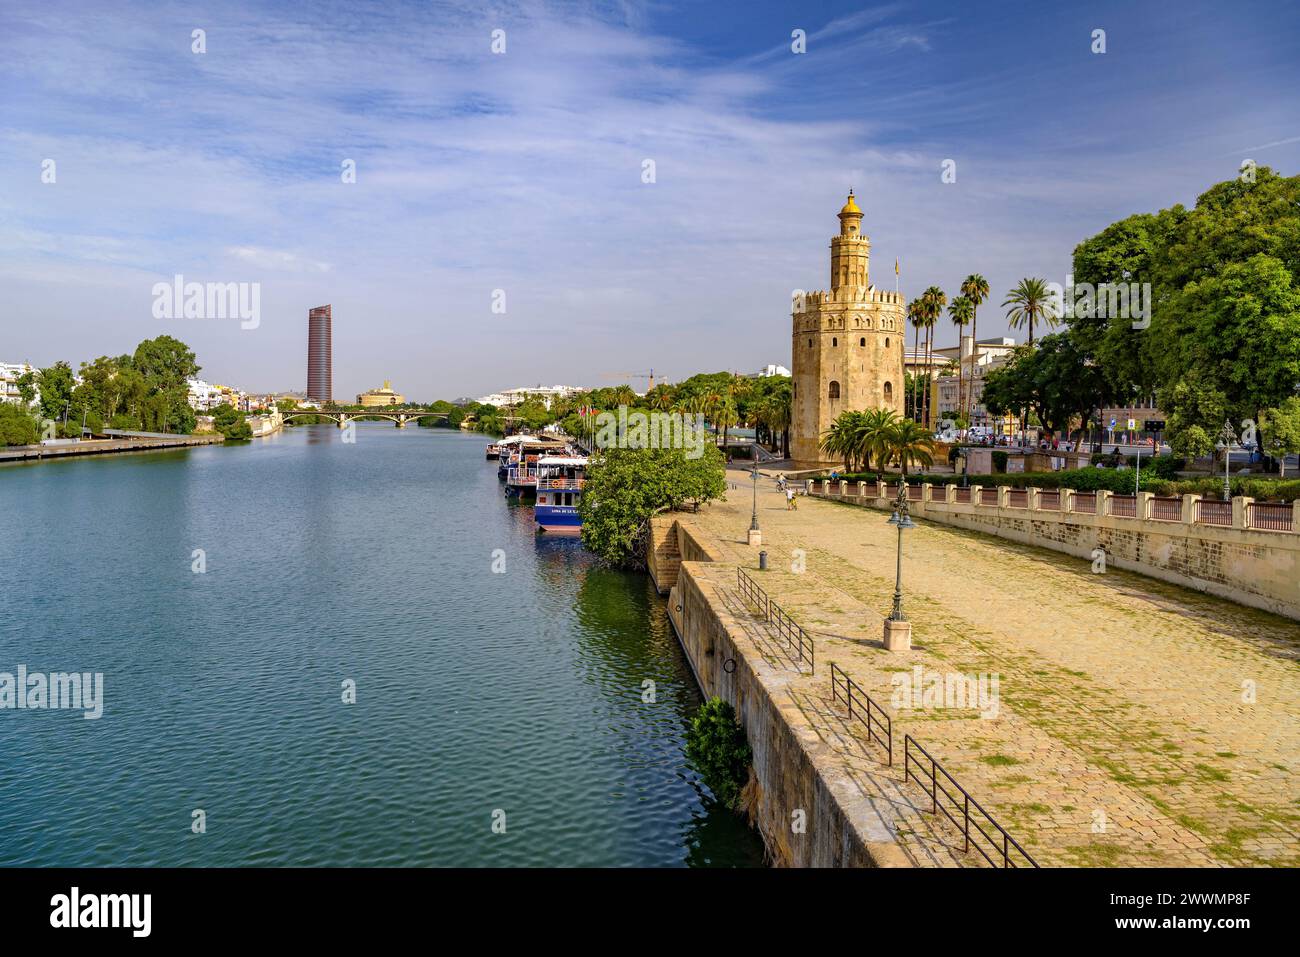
(626, 487)
(861, 438)
(909, 443)
(27, 384)
(57, 385)
(1280, 431)
(1223, 335)
(1030, 302)
(1236, 335)
(932, 302)
(961, 311)
(230, 422)
(916, 316)
(1054, 381)
(165, 362)
(17, 426)
(975, 288)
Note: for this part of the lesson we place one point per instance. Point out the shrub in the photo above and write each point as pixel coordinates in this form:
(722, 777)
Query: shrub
(17, 427)
(999, 461)
(717, 749)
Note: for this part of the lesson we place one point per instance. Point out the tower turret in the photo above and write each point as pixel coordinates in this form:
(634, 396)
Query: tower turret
(850, 250)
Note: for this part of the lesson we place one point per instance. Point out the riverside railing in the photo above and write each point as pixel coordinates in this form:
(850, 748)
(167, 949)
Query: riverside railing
(787, 629)
(880, 728)
(957, 807)
(1283, 517)
(1271, 516)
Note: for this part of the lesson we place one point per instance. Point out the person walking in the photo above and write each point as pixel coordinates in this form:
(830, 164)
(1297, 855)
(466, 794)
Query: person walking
(791, 502)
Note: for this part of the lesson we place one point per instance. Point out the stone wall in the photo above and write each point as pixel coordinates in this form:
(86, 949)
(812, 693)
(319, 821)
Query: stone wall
(1248, 565)
(794, 770)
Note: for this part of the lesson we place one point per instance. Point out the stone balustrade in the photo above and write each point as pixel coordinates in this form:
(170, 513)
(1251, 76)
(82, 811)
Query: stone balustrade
(1253, 559)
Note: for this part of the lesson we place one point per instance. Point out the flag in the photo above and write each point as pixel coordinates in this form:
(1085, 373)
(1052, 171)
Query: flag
(895, 265)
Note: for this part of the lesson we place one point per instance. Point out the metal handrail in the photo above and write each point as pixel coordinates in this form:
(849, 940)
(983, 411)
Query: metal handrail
(966, 803)
(874, 713)
(793, 633)
(786, 627)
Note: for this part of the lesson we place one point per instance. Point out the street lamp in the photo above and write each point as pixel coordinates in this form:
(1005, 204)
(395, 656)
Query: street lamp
(755, 536)
(1227, 436)
(903, 520)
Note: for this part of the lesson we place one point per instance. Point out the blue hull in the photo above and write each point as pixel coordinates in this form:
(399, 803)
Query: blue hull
(557, 518)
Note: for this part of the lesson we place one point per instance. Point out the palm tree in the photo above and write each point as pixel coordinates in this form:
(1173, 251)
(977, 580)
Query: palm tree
(1030, 302)
(961, 311)
(838, 439)
(779, 413)
(909, 443)
(975, 288)
(915, 316)
(933, 300)
(874, 430)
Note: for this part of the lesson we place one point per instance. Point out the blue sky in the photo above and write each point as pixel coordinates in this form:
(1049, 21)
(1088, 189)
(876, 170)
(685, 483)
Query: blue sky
(522, 171)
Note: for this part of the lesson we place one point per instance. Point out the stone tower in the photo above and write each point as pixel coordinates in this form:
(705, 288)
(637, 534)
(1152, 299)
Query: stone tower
(847, 349)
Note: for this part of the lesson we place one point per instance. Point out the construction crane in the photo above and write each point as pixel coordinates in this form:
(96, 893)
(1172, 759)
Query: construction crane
(633, 375)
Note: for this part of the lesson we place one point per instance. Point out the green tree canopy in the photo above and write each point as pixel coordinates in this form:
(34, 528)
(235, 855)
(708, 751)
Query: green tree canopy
(626, 487)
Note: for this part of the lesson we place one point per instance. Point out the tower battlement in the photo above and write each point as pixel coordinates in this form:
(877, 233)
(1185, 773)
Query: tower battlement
(856, 294)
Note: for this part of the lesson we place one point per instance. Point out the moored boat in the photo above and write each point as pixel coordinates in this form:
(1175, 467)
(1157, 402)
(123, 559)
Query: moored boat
(559, 481)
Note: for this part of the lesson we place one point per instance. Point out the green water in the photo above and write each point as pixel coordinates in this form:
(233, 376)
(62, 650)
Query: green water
(480, 696)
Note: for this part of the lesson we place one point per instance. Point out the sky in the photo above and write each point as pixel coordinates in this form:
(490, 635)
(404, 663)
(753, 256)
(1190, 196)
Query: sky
(523, 172)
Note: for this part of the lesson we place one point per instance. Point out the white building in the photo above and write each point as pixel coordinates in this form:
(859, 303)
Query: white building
(206, 396)
(10, 372)
(515, 396)
(770, 370)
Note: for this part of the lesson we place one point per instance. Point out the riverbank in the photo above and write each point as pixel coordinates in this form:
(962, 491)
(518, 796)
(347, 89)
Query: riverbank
(28, 453)
(1129, 723)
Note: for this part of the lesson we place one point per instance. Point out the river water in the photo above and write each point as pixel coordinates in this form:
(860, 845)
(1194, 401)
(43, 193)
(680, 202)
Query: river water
(499, 717)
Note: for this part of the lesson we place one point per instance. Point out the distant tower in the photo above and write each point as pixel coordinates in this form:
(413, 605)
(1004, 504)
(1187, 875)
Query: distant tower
(847, 349)
(320, 352)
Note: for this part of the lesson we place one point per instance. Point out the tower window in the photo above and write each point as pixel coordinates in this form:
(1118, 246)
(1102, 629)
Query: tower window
(886, 342)
(835, 341)
(835, 389)
(889, 390)
(862, 341)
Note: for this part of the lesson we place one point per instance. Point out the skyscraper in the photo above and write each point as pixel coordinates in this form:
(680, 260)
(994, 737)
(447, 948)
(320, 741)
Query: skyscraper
(320, 350)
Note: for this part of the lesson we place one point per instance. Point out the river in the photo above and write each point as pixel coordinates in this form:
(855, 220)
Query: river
(499, 716)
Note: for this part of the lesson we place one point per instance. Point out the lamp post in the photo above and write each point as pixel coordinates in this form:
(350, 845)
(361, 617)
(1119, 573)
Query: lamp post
(755, 536)
(1227, 436)
(898, 630)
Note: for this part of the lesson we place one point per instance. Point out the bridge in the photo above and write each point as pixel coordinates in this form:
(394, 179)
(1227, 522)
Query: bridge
(341, 419)
(398, 416)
